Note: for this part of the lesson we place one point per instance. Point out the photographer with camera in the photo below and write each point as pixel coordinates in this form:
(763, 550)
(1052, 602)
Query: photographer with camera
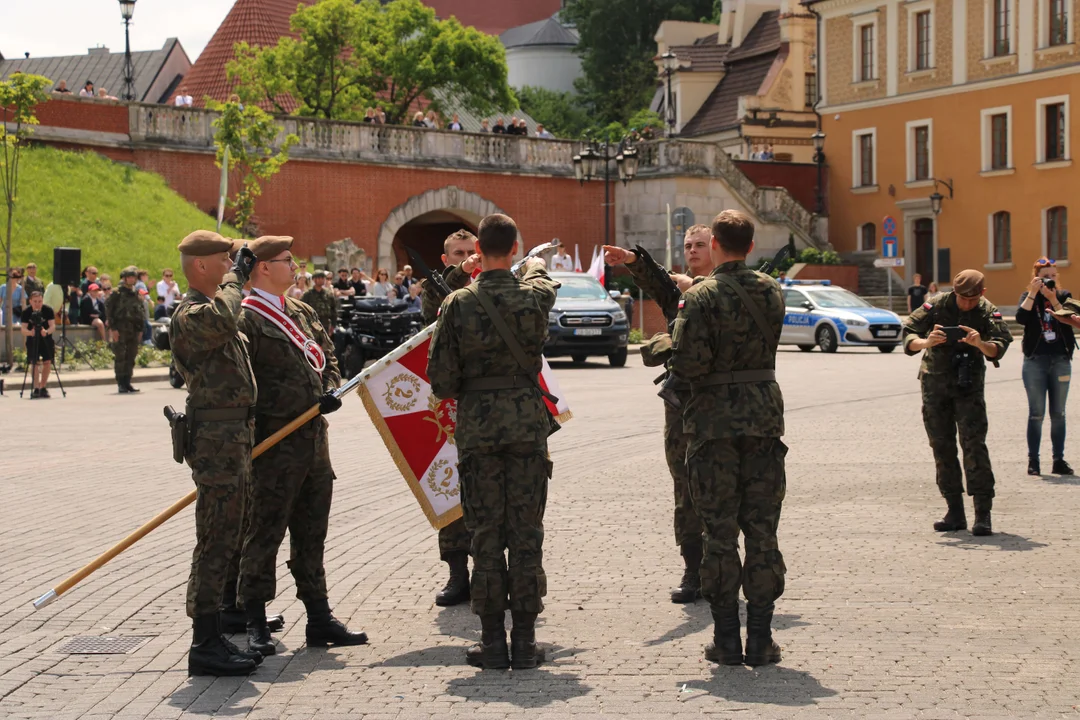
(1048, 347)
(958, 330)
(38, 325)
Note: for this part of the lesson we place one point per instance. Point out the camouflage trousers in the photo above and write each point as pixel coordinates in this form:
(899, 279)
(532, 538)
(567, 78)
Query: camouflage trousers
(503, 497)
(221, 469)
(687, 524)
(739, 484)
(454, 538)
(292, 488)
(125, 350)
(948, 410)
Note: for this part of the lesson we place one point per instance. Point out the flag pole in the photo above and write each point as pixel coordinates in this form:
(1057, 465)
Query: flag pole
(667, 254)
(223, 188)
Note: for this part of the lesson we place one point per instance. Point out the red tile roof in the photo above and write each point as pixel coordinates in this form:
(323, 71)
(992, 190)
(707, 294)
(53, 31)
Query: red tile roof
(495, 16)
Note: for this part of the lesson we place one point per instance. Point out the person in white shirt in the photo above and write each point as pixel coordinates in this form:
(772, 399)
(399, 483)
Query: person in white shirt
(382, 285)
(88, 89)
(183, 99)
(542, 133)
(168, 288)
(455, 124)
(561, 261)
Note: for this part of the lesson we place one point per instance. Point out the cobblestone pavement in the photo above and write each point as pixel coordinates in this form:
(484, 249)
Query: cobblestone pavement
(882, 617)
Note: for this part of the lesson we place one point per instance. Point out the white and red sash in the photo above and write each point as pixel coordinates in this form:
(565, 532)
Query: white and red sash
(311, 350)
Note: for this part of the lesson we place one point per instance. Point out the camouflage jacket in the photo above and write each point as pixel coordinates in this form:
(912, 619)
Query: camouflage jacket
(125, 310)
(715, 333)
(209, 350)
(648, 282)
(30, 284)
(466, 345)
(455, 277)
(289, 385)
(324, 304)
(944, 311)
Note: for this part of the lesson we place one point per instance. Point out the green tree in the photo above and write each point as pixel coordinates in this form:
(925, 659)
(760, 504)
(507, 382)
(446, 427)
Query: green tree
(560, 112)
(714, 16)
(617, 50)
(349, 55)
(245, 136)
(19, 96)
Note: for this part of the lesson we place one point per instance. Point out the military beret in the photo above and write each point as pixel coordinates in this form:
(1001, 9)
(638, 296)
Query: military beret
(202, 243)
(237, 243)
(1068, 308)
(129, 270)
(968, 283)
(267, 246)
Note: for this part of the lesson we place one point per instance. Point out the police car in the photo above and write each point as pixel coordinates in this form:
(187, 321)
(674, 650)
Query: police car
(818, 314)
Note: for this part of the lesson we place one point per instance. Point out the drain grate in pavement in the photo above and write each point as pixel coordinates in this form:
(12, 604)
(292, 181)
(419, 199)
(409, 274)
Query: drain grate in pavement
(97, 645)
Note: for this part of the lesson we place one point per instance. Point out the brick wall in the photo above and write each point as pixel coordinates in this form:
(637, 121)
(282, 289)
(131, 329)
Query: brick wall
(93, 115)
(800, 179)
(976, 47)
(941, 29)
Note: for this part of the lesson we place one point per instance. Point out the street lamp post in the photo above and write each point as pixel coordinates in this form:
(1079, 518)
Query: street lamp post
(127, 9)
(671, 64)
(819, 160)
(594, 162)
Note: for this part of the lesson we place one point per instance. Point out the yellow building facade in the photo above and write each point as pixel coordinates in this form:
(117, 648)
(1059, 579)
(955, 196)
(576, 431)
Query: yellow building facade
(966, 99)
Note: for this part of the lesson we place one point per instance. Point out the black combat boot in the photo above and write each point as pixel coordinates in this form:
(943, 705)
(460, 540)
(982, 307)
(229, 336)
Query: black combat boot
(760, 648)
(491, 653)
(1033, 466)
(689, 588)
(954, 519)
(982, 526)
(127, 384)
(122, 386)
(1061, 467)
(324, 629)
(457, 587)
(258, 634)
(524, 652)
(209, 655)
(726, 647)
(234, 620)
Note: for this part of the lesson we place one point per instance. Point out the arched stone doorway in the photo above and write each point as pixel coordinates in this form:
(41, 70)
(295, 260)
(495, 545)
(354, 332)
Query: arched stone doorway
(423, 222)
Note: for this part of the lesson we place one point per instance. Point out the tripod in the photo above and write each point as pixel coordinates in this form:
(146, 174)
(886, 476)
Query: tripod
(32, 348)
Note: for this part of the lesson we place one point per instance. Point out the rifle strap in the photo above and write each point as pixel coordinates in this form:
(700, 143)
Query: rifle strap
(508, 337)
(751, 306)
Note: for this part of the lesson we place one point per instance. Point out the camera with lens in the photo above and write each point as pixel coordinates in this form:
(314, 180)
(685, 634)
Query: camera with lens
(1050, 284)
(962, 362)
(35, 320)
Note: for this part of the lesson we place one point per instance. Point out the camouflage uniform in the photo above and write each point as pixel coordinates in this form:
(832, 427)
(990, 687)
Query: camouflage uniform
(324, 304)
(501, 435)
(735, 458)
(127, 314)
(210, 353)
(29, 285)
(455, 537)
(947, 408)
(293, 481)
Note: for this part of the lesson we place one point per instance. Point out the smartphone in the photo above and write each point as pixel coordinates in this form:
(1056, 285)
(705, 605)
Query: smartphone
(953, 334)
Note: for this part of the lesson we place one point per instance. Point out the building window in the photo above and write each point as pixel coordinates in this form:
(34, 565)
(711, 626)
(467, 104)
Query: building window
(999, 141)
(923, 42)
(866, 52)
(922, 153)
(1000, 26)
(1002, 238)
(868, 236)
(810, 89)
(865, 176)
(1059, 22)
(1054, 117)
(1057, 233)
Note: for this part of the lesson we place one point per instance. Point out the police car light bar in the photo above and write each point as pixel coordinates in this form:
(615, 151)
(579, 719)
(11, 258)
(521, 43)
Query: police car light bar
(789, 281)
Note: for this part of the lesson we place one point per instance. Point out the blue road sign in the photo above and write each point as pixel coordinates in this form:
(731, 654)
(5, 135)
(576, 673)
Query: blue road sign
(888, 247)
(889, 226)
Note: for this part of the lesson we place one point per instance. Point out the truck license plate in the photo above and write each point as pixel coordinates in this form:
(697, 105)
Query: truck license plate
(587, 331)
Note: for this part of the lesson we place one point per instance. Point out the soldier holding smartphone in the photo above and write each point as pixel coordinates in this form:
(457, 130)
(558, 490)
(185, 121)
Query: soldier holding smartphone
(959, 331)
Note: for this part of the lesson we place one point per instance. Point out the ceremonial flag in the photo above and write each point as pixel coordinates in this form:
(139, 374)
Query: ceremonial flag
(418, 428)
(223, 190)
(577, 260)
(596, 269)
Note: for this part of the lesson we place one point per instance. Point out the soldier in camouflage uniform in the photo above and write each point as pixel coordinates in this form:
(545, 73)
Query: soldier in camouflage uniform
(31, 282)
(724, 344)
(126, 313)
(293, 361)
(501, 437)
(454, 539)
(321, 299)
(687, 525)
(953, 378)
(210, 353)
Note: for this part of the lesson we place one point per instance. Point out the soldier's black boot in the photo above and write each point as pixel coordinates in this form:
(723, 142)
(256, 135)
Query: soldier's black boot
(954, 519)
(258, 633)
(492, 652)
(457, 587)
(234, 620)
(726, 647)
(324, 629)
(760, 648)
(1061, 467)
(127, 384)
(689, 588)
(121, 385)
(1033, 466)
(982, 516)
(524, 652)
(209, 655)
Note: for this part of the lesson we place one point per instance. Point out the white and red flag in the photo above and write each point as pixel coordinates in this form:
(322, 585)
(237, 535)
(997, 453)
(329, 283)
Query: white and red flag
(418, 428)
(577, 260)
(596, 269)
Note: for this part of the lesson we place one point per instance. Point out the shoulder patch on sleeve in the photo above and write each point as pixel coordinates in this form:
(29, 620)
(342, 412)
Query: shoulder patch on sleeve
(927, 306)
(997, 315)
(682, 301)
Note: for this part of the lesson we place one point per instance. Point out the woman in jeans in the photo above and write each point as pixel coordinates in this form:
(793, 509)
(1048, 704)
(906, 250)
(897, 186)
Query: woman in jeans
(1048, 347)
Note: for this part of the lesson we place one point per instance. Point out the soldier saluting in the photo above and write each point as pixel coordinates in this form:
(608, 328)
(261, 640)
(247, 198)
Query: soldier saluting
(292, 357)
(209, 352)
(953, 376)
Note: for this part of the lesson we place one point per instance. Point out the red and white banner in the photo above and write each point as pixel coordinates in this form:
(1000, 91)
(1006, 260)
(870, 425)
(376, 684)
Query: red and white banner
(596, 268)
(418, 428)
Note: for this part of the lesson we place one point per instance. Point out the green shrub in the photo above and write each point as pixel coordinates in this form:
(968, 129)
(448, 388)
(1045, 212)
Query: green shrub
(636, 337)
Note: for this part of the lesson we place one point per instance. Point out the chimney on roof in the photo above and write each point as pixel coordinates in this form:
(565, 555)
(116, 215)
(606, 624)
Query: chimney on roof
(102, 50)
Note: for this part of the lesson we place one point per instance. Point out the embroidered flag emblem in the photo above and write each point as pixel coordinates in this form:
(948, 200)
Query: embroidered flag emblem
(927, 306)
(681, 303)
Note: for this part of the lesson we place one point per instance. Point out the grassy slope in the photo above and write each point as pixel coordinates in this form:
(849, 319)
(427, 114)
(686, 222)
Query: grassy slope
(117, 215)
